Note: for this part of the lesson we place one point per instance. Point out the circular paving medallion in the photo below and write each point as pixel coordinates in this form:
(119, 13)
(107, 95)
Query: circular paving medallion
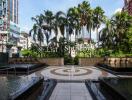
(71, 72)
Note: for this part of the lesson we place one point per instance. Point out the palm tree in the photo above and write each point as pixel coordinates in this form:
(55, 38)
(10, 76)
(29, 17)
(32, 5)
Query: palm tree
(84, 14)
(86, 17)
(115, 33)
(98, 18)
(74, 21)
(37, 30)
(74, 25)
(56, 24)
(107, 35)
(90, 22)
(48, 19)
(70, 23)
(47, 25)
(62, 25)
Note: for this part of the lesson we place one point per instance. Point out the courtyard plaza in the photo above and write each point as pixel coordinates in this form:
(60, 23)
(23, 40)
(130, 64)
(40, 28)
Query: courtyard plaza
(71, 80)
(66, 35)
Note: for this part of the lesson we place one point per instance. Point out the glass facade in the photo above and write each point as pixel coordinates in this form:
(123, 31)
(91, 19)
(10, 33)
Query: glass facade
(15, 10)
(9, 25)
(11, 10)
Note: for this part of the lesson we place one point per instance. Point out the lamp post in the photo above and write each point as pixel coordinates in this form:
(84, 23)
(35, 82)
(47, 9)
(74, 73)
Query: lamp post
(8, 49)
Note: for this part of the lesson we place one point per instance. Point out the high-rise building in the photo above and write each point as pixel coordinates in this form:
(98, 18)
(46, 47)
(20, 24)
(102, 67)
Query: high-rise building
(128, 6)
(9, 29)
(8, 12)
(14, 11)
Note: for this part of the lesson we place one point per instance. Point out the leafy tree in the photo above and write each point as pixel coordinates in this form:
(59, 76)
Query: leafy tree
(117, 33)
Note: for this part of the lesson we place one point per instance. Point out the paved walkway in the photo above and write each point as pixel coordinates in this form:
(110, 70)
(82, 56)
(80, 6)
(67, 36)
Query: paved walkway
(71, 91)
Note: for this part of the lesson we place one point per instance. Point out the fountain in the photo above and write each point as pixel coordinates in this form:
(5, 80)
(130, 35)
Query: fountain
(71, 72)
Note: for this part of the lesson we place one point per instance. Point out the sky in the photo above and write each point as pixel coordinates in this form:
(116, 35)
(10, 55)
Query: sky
(31, 8)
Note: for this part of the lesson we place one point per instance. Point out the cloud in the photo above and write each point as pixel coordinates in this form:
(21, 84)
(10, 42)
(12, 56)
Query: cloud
(26, 29)
(118, 10)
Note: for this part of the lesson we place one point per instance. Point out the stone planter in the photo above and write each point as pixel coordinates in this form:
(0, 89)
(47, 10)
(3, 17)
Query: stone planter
(47, 61)
(113, 62)
(90, 61)
(118, 62)
(52, 61)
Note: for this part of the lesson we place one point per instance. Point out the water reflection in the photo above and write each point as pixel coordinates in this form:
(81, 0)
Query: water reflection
(120, 65)
(11, 84)
(121, 85)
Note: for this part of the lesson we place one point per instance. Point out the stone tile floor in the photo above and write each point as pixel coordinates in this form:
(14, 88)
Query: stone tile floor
(79, 73)
(70, 91)
(71, 75)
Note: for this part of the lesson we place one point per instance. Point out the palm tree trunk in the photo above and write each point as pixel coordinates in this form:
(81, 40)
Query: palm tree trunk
(90, 36)
(76, 35)
(70, 45)
(63, 46)
(40, 47)
(97, 37)
(82, 31)
(90, 43)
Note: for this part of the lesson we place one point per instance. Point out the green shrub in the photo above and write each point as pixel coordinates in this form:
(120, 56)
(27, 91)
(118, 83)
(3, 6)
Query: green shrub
(76, 60)
(68, 60)
(120, 54)
(26, 52)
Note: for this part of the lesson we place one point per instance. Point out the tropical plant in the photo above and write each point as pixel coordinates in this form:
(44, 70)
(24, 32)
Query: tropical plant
(107, 35)
(98, 18)
(117, 33)
(121, 23)
(48, 19)
(37, 30)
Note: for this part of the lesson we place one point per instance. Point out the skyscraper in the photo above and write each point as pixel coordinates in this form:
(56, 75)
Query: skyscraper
(9, 29)
(128, 6)
(9, 11)
(14, 11)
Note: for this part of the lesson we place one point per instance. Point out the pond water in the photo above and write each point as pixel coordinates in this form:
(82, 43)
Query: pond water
(123, 65)
(13, 85)
(121, 85)
(18, 65)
